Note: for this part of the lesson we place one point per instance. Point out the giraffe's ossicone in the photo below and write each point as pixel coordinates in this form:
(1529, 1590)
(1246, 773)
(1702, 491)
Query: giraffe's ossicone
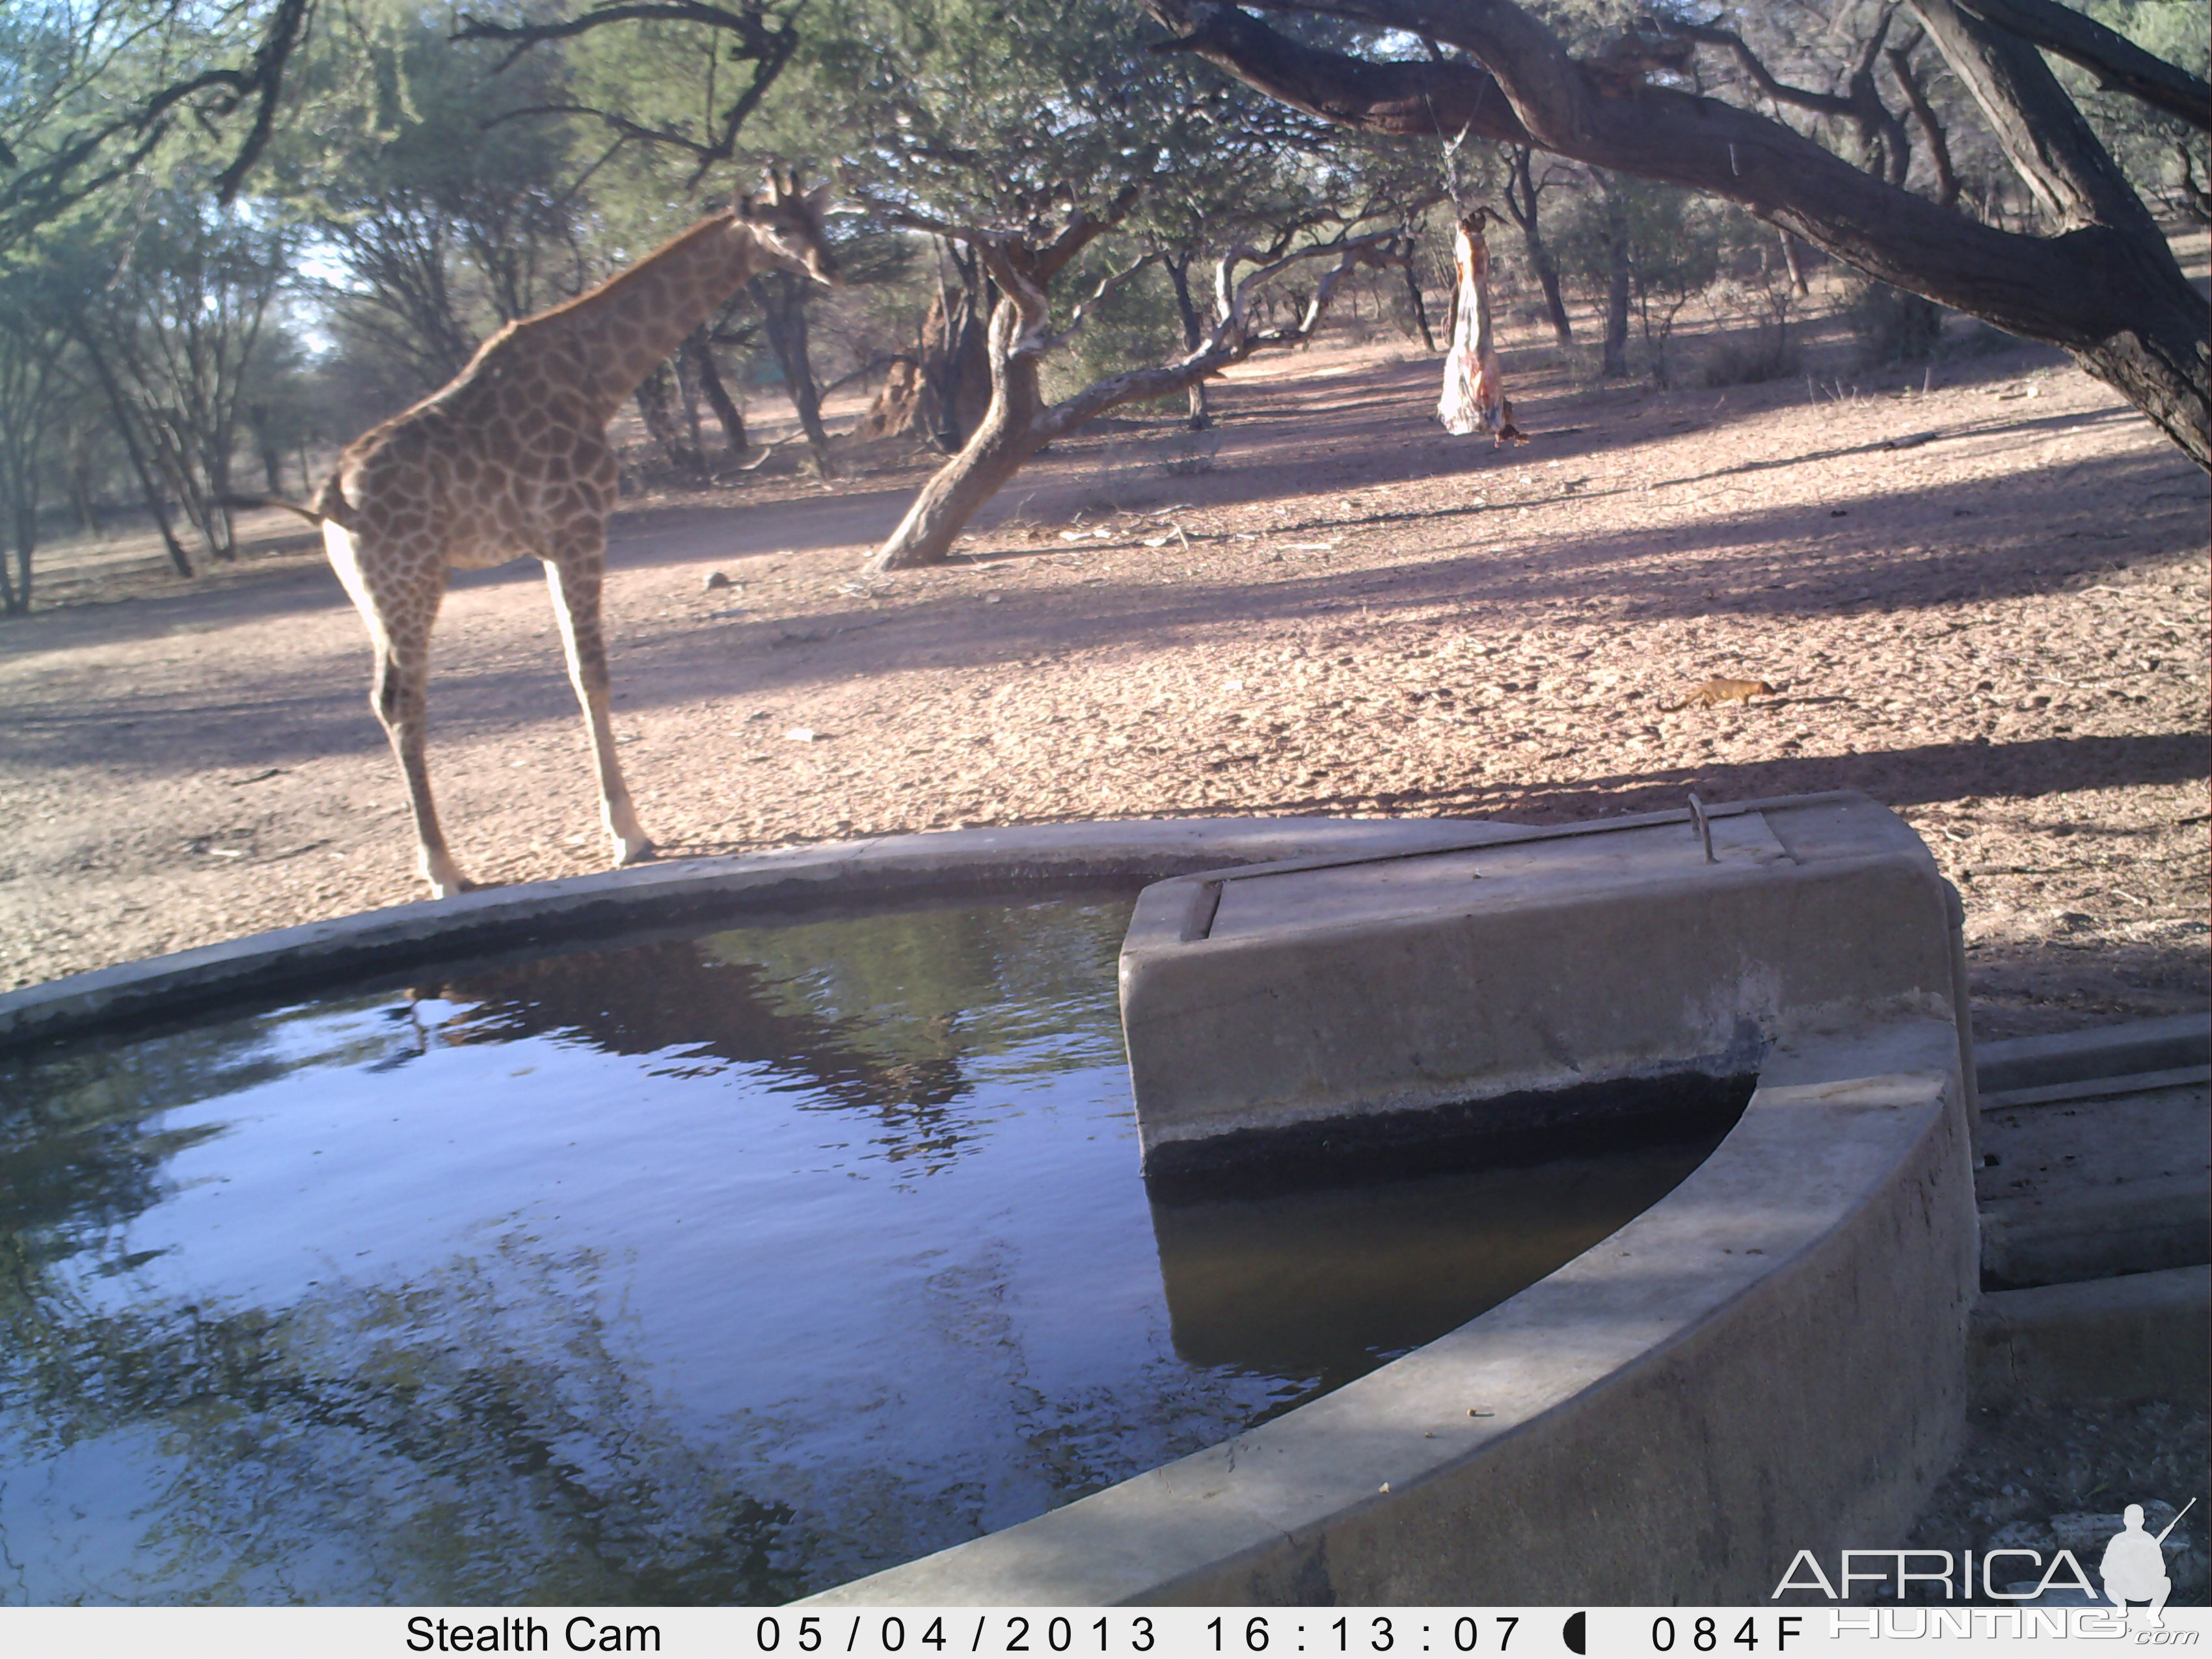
(512, 458)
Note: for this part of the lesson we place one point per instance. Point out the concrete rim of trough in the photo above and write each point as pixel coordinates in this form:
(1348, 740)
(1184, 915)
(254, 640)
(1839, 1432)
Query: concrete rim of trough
(1772, 1358)
(319, 954)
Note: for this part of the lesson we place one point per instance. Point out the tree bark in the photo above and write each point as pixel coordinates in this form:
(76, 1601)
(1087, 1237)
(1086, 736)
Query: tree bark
(652, 399)
(783, 305)
(956, 371)
(1794, 262)
(1413, 294)
(1006, 437)
(1523, 201)
(727, 414)
(1618, 280)
(1017, 424)
(2117, 63)
(1194, 334)
(2107, 291)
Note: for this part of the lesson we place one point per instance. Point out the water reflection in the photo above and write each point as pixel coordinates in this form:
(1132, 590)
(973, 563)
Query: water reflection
(1320, 1283)
(703, 1270)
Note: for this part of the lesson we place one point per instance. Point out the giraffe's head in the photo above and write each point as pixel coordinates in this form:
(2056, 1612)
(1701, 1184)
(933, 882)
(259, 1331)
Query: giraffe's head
(788, 224)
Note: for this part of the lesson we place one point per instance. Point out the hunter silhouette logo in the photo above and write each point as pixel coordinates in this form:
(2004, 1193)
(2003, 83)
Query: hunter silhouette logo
(2133, 1565)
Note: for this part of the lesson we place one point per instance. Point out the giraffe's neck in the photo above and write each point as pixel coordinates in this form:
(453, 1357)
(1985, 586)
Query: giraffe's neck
(630, 324)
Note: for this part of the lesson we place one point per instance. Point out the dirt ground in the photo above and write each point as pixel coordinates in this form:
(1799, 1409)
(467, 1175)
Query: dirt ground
(1980, 592)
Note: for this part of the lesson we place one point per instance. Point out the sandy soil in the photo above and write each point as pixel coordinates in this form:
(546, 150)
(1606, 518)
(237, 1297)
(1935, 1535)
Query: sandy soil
(1981, 596)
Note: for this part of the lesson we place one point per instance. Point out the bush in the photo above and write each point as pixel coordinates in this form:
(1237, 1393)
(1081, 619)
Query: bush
(1891, 325)
(1767, 353)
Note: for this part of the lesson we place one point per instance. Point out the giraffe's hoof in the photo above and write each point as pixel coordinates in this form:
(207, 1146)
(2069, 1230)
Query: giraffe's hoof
(446, 881)
(635, 852)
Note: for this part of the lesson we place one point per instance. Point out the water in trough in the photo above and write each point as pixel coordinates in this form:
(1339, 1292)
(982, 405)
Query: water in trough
(700, 1269)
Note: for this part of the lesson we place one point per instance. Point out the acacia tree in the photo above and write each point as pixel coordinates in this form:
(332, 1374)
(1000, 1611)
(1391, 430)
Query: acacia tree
(172, 333)
(449, 213)
(2104, 284)
(1018, 423)
(97, 88)
(35, 388)
(1040, 146)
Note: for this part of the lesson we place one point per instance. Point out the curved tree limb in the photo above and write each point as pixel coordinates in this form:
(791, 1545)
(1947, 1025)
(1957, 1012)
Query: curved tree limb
(763, 34)
(1931, 124)
(2118, 63)
(85, 162)
(2107, 289)
(1018, 423)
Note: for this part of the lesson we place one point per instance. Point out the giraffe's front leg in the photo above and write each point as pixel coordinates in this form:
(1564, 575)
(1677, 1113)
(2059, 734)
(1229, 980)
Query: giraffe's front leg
(575, 575)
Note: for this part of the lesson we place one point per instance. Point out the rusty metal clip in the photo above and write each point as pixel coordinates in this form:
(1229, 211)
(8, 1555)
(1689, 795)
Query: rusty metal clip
(1703, 827)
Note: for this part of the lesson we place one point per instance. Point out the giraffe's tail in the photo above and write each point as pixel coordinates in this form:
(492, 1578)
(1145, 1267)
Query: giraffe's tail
(246, 503)
(331, 508)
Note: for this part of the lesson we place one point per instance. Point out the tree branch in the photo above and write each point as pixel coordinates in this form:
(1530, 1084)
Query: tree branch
(1931, 124)
(1230, 343)
(1821, 103)
(765, 37)
(2118, 63)
(1113, 283)
(40, 192)
(2107, 291)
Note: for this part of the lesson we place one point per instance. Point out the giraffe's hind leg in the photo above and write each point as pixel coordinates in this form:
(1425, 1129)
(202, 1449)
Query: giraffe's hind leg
(399, 612)
(575, 573)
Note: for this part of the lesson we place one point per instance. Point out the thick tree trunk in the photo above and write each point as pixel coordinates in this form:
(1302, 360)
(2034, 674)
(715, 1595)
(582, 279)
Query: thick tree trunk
(2107, 291)
(1523, 201)
(956, 374)
(1794, 264)
(784, 297)
(1194, 335)
(732, 423)
(1615, 366)
(652, 399)
(1006, 437)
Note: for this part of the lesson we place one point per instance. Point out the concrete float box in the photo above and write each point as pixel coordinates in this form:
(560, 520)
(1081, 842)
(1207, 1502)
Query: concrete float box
(1539, 986)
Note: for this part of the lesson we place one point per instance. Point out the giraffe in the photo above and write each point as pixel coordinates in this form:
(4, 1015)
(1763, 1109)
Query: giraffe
(512, 458)
(1474, 391)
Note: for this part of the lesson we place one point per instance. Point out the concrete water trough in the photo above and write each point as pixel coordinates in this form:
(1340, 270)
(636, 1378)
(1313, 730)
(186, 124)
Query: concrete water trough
(1770, 1358)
